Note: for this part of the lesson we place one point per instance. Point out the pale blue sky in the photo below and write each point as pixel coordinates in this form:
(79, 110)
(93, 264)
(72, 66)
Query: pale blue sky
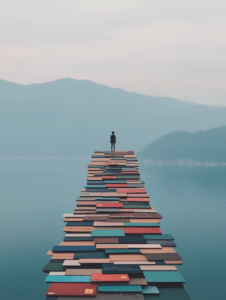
(166, 48)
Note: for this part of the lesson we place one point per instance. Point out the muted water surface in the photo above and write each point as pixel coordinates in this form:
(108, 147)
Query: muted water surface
(35, 193)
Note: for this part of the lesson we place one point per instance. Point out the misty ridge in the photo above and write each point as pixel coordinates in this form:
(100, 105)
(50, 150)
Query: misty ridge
(72, 118)
(203, 148)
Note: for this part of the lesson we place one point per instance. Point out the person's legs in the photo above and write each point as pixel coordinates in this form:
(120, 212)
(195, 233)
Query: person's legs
(112, 146)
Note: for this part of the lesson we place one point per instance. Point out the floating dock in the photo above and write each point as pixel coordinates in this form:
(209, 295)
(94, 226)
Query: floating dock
(113, 245)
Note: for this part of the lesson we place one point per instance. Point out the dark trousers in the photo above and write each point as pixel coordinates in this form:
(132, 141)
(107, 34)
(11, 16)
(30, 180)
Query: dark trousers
(112, 146)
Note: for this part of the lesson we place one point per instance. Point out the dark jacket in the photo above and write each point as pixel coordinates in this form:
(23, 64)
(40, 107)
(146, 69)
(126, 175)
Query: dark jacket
(112, 139)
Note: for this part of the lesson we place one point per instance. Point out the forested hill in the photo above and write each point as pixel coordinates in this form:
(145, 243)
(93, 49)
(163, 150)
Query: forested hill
(70, 117)
(204, 146)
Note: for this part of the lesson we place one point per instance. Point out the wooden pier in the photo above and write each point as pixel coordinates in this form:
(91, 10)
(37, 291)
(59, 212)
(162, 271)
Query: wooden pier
(113, 245)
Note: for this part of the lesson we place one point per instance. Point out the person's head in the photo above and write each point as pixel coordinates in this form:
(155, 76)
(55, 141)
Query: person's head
(113, 132)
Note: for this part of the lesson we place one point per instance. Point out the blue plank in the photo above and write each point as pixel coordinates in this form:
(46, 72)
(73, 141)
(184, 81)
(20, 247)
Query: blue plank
(121, 269)
(73, 248)
(98, 254)
(132, 239)
(54, 278)
(164, 276)
(79, 223)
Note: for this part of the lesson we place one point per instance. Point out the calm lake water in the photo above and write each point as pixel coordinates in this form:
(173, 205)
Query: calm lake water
(35, 193)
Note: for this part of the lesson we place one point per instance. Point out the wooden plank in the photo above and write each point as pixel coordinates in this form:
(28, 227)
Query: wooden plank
(144, 221)
(78, 229)
(97, 277)
(71, 262)
(127, 257)
(63, 256)
(57, 273)
(158, 268)
(143, 246)
(173, 262)
(94, 261)
(109, 205)
(133, 262)
(73, 219)
(69, 243)
(113, 240)
(162, 250)
(107, 224)
(82, 272)
(111, 246)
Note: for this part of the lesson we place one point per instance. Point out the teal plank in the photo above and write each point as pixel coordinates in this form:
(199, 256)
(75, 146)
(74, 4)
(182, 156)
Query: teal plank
(158, 237)
(142, 181)
(122, 250)
(119, 288)
(107, 233)
(55, 278)
(94, 186)
(141, 224)
(136, 206)
(163, 276)
(97, 166)
(150, 290)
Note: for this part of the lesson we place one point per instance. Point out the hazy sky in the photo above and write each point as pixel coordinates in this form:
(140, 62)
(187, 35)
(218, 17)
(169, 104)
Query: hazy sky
(173, 48)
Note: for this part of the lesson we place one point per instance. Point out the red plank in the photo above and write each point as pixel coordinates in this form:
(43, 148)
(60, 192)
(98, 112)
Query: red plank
(108, 177)
(98, 277)
(116, 185)
(140, 230)
(109, 205)
(72, 289)
(131, 191)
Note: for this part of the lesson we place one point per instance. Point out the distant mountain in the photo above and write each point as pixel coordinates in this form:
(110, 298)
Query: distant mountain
(203, 146)
(70, 117)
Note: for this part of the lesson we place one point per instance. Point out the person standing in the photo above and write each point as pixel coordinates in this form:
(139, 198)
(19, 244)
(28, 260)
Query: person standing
(113, 141)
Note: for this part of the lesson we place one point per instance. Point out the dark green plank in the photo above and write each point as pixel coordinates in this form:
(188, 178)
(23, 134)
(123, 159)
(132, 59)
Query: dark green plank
(158, 237)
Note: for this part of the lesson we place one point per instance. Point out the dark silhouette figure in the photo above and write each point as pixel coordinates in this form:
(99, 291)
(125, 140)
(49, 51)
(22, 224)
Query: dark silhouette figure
(113, 141)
